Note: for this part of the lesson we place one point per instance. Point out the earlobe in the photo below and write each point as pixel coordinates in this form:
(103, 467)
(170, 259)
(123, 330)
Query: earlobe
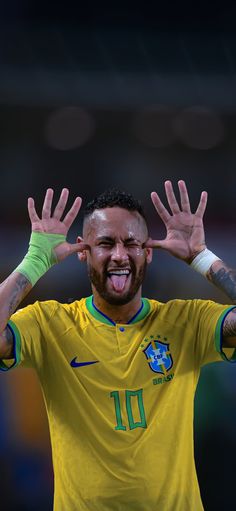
(82, 256)
(149, 253)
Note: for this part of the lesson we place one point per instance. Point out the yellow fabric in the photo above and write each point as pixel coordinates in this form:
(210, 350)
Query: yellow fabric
(121, 432)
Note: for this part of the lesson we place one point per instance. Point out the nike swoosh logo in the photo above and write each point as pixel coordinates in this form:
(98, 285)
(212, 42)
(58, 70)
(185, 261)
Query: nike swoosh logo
(81, 364)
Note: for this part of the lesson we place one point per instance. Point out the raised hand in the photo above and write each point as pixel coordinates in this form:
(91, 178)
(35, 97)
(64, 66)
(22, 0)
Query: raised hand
(52, 222)
(185, 236)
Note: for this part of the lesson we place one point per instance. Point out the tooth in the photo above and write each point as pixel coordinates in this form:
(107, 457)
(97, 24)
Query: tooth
(119, 272)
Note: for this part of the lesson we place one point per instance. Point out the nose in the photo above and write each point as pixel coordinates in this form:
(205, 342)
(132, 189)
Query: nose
(119, 253)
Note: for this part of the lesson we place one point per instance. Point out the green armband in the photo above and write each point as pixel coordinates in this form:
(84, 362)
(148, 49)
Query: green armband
(40, 256)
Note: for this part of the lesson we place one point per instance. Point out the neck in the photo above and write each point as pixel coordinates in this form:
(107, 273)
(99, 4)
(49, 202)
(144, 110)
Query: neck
(118, 313)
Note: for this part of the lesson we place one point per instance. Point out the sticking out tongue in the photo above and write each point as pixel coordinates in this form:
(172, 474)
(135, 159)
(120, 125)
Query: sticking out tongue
(118, 282)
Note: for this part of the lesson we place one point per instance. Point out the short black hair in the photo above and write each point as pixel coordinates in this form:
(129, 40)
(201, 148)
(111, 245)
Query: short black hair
(111, 198)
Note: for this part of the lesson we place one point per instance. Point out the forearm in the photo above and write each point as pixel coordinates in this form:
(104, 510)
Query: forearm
(12, 291)
(224, 278)
(39, 258)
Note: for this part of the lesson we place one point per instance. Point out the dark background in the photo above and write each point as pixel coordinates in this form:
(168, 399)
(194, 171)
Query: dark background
(99, 95)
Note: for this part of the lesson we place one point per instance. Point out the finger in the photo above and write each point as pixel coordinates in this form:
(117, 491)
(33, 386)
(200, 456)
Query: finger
(32, 211)
(73, 212)
(46, 211)
(79, 247)
(59, 209)
(160, 208)
(184, 198)
(150, 243)
(171, 197)
(64, 250)
(202, 205)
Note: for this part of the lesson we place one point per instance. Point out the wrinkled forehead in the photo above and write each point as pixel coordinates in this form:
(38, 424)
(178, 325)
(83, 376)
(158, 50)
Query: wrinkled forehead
(115, 223)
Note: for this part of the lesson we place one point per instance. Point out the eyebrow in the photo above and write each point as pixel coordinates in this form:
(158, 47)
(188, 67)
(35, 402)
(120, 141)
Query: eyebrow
(104, 238)
(109, 238)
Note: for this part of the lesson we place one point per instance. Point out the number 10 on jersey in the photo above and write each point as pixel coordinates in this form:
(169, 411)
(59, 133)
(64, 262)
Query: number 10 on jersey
(133, 399)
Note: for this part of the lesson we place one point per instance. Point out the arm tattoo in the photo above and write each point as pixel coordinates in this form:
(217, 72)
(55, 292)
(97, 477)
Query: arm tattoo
(225, 279)
(8, 337)
(20, 289)
(13, 290)
(229, 326)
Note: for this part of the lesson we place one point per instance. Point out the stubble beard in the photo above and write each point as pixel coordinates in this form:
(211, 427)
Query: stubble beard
(99, 280)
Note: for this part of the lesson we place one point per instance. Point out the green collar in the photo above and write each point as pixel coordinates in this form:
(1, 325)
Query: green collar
(144, 310)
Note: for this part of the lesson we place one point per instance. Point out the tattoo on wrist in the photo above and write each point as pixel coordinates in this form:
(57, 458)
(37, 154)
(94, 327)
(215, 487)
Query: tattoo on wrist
(225, 279)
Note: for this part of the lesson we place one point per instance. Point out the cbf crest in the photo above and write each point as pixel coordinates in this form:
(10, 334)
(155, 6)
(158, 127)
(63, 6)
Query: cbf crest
(158, 356)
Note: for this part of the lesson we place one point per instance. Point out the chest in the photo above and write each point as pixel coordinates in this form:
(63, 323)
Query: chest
(127, 356)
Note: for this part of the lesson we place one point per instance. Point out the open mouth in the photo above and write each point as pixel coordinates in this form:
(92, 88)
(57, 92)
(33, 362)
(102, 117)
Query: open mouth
(119, 278)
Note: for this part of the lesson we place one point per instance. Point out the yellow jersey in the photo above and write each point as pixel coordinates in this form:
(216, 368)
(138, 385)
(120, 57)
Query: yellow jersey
(119, 399)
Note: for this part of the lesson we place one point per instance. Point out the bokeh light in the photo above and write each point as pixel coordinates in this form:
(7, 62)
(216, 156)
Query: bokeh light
(199, 127)
(69, 128)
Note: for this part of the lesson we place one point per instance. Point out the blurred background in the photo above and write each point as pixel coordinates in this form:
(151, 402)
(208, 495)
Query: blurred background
(97, 96)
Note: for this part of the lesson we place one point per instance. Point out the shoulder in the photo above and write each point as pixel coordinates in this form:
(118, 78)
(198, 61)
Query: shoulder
(49, 309)
(182, 311)
(53, 308)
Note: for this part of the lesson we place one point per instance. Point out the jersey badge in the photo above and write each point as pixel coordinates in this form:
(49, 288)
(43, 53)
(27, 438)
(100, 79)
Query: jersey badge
(158, 356)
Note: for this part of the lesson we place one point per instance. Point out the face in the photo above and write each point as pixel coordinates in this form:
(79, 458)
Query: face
(116, 261)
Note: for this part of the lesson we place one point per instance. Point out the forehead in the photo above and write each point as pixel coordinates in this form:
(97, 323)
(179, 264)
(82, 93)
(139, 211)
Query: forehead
(115, 222)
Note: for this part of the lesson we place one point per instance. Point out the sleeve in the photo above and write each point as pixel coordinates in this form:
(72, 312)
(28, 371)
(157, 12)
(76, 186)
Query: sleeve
(27, 326)
(208, 318)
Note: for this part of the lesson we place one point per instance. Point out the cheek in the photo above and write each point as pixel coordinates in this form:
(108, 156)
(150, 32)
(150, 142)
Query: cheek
(137, 254)
(97, 256)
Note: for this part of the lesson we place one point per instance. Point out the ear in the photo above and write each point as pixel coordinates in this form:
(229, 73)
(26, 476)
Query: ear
(82, 256)
(149, 253)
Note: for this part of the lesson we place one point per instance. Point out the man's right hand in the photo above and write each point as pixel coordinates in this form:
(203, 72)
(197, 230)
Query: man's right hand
(20, 282)
(52, 222)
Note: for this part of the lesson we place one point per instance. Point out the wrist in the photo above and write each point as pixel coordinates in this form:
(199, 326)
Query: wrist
(40, 256)
(203, 261)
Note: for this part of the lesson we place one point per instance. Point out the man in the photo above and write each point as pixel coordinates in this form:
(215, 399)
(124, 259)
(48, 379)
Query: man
(119, 371)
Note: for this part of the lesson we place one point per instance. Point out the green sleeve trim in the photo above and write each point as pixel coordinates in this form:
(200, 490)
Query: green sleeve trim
(219, 336)
(16, 348)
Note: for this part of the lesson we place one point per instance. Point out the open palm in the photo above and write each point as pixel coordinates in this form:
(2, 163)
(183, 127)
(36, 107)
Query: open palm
(53, 223)
(185, 236)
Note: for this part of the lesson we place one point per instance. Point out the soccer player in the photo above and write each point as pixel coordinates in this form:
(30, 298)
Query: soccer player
(119, 371)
